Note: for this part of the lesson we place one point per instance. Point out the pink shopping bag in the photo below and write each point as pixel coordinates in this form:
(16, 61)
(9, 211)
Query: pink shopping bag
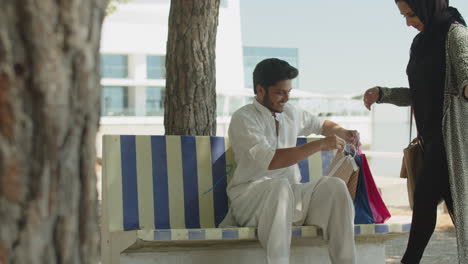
(377, 205)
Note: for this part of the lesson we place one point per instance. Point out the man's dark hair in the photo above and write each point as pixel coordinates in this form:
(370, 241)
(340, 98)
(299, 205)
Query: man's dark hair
(270, 71)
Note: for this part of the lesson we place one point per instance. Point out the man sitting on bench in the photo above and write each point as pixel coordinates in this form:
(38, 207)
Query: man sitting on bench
(265, 191)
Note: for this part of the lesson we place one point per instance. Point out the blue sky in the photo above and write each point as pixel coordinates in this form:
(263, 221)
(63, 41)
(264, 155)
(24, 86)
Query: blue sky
(344, 46)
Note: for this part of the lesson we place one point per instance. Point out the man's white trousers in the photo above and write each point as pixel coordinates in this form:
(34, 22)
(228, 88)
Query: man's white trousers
(275, 205)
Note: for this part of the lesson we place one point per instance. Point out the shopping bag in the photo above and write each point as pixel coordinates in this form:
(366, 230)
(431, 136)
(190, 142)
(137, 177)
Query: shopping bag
(344, 167)
(363, 212)
(353, 183)
(377, 205)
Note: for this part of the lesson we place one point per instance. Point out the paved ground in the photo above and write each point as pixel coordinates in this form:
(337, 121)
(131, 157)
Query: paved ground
(442, 249)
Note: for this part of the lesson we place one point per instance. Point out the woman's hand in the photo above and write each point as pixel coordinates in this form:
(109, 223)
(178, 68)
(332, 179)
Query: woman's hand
(370, 97)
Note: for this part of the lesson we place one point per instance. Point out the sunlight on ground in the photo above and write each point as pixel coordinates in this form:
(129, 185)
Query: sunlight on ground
(444, 223)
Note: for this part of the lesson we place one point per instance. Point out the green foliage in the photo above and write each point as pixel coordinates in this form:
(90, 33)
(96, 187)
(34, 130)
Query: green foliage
(112, 5)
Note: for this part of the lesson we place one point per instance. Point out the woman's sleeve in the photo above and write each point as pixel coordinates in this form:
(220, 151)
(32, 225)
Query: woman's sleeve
(458, 52)
(396, 96)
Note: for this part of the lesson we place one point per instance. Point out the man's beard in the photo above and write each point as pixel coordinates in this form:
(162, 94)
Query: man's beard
(268, 104)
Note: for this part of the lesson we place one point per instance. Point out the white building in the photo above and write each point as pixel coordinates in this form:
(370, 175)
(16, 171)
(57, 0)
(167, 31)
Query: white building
(133, 51)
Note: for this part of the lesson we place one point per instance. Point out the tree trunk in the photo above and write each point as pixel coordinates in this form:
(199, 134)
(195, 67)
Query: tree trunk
(190, 104)
(49, 114)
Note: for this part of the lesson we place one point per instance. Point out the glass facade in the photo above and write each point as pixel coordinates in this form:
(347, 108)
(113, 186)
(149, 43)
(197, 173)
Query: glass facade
(156, 67)
(155, 101)
(253, 55)
(114, 101)
(220, 105)
(114, 66)
(224, 3)
(122, 100)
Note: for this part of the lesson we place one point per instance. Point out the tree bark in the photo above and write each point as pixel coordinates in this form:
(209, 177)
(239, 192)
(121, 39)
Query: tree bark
(49, 114)
(190, 104)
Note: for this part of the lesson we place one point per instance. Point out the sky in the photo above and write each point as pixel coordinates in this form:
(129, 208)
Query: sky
(344, 46)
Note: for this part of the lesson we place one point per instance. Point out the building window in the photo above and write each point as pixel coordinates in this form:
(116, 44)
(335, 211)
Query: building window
(224, 3)
(253, 55)
(115, 101)
(156, 67)
(155, 101)
(114, 66)
(220, 105)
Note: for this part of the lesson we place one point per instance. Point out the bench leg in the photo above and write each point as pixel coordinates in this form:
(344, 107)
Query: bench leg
(115, 243)
(105, 247)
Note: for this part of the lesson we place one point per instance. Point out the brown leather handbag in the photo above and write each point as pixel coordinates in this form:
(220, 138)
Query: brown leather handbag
(412, 164)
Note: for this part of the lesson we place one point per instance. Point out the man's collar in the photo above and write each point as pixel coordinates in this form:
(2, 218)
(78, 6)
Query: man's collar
(264, 110)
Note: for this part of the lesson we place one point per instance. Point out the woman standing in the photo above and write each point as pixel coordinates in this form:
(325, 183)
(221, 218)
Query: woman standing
(438, 79)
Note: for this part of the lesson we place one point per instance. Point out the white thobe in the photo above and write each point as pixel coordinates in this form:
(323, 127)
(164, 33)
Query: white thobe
(274, 200)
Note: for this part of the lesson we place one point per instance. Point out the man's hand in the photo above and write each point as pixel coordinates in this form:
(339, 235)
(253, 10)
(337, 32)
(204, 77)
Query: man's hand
(332, 143)
(370, 97)
(350, 136)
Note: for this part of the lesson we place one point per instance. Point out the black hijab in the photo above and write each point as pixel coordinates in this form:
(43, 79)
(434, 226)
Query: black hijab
(426, 68)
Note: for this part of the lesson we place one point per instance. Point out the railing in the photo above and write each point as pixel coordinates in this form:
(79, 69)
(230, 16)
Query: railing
(379, 154)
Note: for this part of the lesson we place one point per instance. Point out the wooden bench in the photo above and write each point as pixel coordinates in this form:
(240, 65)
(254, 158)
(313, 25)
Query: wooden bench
(157, 206)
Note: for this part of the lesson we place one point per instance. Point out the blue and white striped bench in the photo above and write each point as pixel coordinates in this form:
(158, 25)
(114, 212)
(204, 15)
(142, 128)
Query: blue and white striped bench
(160, 188)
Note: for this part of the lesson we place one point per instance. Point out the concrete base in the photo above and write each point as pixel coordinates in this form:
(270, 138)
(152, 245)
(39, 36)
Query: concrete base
(249, 253)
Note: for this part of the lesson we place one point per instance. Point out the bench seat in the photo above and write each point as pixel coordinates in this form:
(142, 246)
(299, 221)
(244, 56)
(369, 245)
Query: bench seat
(249, 233)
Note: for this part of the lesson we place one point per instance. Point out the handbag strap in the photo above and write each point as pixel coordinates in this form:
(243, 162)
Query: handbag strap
(411, 127)
(411, 124)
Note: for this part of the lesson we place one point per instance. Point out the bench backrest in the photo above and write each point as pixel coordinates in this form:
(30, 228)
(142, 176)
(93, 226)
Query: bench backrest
(163, 182)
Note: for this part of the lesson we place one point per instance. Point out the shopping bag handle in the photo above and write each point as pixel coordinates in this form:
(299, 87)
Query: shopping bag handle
(357, 150)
